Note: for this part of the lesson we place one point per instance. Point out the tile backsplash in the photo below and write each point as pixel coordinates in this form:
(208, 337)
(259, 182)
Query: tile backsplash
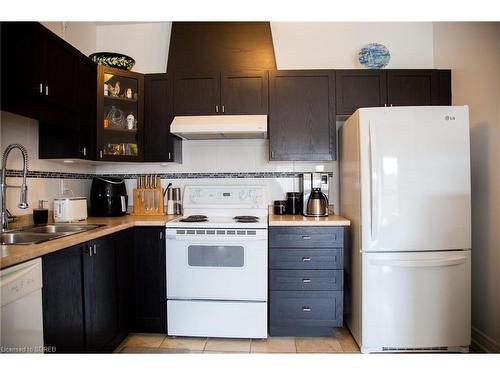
(229, 162)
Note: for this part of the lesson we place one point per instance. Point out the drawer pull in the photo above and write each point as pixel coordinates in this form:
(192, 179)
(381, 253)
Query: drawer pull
(306, 237)
(306, 308)
(306, 259)
(305, 281)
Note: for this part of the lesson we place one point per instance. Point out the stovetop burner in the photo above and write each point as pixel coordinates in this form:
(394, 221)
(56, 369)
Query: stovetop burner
(246, 219)
(194, 219)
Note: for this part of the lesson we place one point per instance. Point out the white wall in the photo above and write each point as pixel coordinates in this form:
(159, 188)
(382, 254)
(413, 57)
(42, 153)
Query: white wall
(18, 129)
(81, 35)
(146, 43)
(335, 45)
(472, 51)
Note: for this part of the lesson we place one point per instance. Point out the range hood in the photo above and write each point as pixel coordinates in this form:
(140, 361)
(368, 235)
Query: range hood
(220, 127)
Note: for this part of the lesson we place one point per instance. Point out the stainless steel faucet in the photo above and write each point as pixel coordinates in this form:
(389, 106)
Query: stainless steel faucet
(23, 202)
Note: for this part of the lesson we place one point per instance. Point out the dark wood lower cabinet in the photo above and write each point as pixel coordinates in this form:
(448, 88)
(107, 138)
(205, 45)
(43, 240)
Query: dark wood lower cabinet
(100, 294)
(96, 293)
(306, 280)
(62, 296)
(150, 280)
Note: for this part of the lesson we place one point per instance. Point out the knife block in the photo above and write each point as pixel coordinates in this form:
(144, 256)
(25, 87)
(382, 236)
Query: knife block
(149, 201)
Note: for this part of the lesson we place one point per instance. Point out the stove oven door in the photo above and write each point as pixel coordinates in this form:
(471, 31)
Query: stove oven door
(219, 264)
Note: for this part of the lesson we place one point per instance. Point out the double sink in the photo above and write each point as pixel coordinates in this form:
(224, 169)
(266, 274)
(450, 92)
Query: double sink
(37, 234)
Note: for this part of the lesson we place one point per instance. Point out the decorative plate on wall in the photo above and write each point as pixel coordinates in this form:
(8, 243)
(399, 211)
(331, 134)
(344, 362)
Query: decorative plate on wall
(114, 60)
(374, 56)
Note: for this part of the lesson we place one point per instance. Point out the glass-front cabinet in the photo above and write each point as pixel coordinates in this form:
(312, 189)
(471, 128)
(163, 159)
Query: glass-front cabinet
(120, 115)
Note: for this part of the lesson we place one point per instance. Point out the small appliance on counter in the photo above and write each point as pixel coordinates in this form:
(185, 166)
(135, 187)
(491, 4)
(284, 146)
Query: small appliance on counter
(108, 197)
(40, 214)
(68, 209)
(279, 207)
(314, 189)
(293, 203)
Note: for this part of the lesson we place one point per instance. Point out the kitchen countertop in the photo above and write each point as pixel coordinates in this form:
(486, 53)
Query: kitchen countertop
(14, 254)
(301, 220)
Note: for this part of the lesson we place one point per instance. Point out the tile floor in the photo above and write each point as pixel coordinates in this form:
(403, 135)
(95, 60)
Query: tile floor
(340, 341)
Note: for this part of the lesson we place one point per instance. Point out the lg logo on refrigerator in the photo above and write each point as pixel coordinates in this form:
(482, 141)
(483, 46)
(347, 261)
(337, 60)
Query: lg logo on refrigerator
(449, 118)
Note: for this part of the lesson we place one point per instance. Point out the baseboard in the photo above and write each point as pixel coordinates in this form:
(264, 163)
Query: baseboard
(483, 343)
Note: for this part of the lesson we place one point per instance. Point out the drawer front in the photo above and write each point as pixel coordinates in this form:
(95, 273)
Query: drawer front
(306, 279)
(306, 237)
(306, 308)
(306, 259)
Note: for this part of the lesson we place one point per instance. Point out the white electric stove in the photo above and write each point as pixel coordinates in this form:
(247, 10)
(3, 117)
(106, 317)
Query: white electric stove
(217, 263)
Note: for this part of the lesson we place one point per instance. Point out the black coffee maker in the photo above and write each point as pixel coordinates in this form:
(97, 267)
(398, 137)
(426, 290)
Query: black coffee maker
(108, 197)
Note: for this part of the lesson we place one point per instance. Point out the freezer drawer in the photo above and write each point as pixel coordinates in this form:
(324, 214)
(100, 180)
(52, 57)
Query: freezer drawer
(300, 259)
(306, 279)
(416, 301)
(217, 319)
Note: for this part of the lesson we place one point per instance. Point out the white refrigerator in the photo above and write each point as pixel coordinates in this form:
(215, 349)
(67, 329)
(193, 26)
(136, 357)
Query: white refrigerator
(405, 186)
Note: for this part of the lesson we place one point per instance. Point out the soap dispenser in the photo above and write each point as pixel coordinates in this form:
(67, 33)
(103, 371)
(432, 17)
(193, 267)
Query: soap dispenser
(40, 214)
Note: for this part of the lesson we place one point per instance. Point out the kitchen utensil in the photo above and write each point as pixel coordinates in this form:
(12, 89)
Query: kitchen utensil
(279, 207)
(148, 196)
(293, 203)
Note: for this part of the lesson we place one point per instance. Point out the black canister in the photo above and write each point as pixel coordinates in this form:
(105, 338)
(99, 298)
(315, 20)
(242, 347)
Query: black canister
(293, 203)
(279, 207)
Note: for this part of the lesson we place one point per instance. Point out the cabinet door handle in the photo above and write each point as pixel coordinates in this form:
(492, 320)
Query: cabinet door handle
(47, 90)
(306, 259)
(222, 109)
(306, 237)
(161, 235)
(306, 308)
(100, 154)
(95, 249)
(169, 156)
(216, 109)
(272, 154)
(41, 88)
(305, 281)
(90, 250)
(84, 151)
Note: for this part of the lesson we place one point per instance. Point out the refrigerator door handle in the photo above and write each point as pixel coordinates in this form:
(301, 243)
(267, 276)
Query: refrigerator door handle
(373, 184)
(437, 262)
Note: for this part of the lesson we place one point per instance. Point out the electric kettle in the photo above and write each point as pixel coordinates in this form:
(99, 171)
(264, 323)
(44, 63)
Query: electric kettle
(317, 205)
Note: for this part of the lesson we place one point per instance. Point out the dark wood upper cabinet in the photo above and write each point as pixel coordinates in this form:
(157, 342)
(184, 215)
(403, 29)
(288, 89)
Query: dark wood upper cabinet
(120, 116)
(302, 115)
(360, 89)
(229, 92)
(159, 144)
(59, 72)
(412, 87)
(74, 136)
(38, 72)
(196, 93)
(244, 93)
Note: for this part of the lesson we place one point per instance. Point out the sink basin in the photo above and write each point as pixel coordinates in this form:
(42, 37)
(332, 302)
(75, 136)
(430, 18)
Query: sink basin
(23, 238)
(33, 235)
(62, 228)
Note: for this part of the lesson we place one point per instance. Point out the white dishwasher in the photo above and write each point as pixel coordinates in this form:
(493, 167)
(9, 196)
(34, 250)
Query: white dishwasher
(21, 329)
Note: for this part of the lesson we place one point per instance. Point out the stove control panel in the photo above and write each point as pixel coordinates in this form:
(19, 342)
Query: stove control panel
(229, 196)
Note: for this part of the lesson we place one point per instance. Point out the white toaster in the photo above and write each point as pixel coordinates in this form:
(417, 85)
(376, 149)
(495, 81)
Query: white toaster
(70, 209)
